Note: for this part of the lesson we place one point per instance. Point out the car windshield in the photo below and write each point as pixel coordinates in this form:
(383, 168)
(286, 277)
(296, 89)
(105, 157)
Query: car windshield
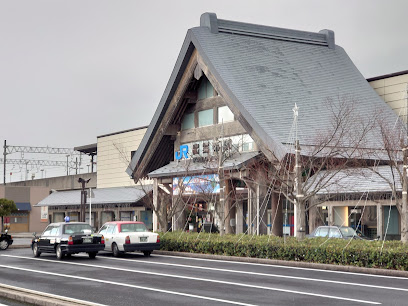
(348, 232)
(77, 229)
(133, 227)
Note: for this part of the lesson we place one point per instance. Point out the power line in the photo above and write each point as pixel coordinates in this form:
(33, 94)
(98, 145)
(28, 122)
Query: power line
(46, 150)
(37, 162)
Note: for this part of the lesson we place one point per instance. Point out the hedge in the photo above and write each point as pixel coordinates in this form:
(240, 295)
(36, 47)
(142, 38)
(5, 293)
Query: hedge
(361, 253)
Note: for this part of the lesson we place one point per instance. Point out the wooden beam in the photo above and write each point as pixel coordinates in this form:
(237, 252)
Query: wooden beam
(172, 129)
(169, 113)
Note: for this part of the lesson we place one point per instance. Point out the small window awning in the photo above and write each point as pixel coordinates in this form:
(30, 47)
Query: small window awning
(196, 166)
(23, 206)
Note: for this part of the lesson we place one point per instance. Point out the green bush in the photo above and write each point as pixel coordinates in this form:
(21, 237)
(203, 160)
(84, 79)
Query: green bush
(361, 253)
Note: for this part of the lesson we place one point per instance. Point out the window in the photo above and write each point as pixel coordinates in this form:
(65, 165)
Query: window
(132, 153)
(47, 231)
(324, 231)
(55, 231)
(125, 216)
(133, 227)
(111, 229)
(225, 114)
(103, 229)
(77, 229)
(206, 117)
(206, 90)
(188, 122)
(334, 233)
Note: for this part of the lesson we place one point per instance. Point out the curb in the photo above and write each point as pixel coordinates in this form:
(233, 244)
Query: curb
(298, 264)
(19, 246)
(39, 298)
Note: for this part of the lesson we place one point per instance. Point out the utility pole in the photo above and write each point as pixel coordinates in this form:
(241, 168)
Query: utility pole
(301, 211)
(4, 159)
(404, 210)
(300, 217)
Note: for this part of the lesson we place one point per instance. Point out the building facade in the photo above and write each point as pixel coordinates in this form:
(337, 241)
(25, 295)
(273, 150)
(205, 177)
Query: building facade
(223, 127)
(114, 196)
(115, 151)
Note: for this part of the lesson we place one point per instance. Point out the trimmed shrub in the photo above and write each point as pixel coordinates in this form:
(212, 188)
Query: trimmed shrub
(361, 253)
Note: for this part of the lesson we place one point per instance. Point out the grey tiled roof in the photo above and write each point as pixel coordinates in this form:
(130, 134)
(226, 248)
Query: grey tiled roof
(265, 71)
(360, 181)
(188, 167)
(117, 195)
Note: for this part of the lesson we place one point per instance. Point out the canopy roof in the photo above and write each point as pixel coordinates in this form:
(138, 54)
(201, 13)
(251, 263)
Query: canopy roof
(117, 195)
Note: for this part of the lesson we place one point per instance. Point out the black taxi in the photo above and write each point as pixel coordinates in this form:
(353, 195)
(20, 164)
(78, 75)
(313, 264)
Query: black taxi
(5, 240)
(64, 238)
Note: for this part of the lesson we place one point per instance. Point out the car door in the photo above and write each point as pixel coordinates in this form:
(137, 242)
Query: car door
(109, 236)
(103, 232)
(44, 239)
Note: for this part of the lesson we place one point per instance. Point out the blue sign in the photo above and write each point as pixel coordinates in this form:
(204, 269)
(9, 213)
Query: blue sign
(183, 152)
(66, 219)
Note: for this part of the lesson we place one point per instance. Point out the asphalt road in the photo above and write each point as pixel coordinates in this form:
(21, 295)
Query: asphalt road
(136, 280)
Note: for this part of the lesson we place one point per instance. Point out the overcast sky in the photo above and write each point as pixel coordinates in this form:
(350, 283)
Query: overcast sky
(73, 70)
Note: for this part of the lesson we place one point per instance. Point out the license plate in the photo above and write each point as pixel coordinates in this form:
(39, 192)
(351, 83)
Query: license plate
(143, 239)
(87, 240)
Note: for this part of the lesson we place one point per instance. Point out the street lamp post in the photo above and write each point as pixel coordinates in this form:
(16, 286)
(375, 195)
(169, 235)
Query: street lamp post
(83, 198)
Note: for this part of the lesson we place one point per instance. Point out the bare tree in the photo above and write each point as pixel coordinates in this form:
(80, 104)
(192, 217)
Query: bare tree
(395, 156)
(312, 168)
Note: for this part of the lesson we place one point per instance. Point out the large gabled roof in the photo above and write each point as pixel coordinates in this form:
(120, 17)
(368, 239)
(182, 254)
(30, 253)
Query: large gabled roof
(262, 71)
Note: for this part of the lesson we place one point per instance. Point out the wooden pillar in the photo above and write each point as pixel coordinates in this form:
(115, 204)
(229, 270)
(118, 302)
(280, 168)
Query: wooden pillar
(99, 219)
(380, 221)
(239, 217)
(262, 200)
(229, 208)
(330, 210)
(155, 203)
(250, 211)
(276, 216)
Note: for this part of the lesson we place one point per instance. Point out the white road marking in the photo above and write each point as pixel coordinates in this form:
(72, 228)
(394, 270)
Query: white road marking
(197, 279)
(127, 285)
(283, 267)
(259, 274)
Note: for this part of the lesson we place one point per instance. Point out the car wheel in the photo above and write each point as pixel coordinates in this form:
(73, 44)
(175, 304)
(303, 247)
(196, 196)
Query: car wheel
(147, 253)
(115, 250)
(4, 244)
(36, 250)
(92, 255)
(58, 252)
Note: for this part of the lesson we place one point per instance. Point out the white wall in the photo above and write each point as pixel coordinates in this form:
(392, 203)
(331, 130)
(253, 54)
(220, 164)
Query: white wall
(114, 154)
(393, 91)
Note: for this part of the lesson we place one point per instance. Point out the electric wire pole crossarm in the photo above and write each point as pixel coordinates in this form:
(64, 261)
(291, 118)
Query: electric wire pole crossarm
(7, 149)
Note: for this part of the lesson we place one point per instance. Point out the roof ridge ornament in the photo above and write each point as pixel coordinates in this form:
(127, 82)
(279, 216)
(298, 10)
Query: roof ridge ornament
(329, 37)
(210, 21)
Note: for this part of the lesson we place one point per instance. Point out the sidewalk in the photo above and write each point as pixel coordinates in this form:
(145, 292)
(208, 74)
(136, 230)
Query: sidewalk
(21, 235)
(21, 240)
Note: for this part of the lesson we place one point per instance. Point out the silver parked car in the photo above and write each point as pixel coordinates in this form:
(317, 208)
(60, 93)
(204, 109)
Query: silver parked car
(342, 232)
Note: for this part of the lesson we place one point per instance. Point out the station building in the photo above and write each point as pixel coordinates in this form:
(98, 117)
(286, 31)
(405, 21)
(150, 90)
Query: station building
(226, 116)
